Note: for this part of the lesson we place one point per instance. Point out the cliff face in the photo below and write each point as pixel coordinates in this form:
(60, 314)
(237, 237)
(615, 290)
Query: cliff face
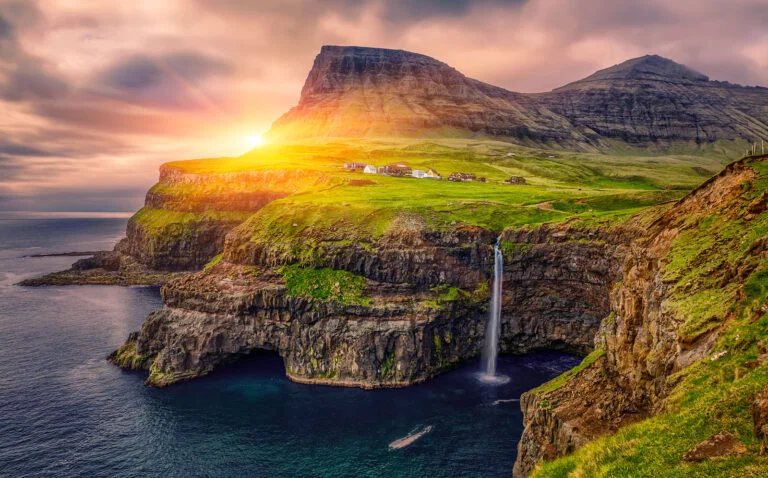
(678, 292)
(187, 215)
(646, 102)
(556, 285)
(422, 309)
(355, 91)
(655, 101)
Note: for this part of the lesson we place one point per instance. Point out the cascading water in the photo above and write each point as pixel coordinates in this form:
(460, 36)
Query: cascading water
(491, 346)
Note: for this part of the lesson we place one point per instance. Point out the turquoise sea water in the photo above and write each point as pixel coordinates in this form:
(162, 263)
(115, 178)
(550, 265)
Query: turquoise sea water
(64, 411)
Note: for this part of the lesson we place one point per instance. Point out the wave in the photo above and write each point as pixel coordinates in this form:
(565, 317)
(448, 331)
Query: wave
(505, 400)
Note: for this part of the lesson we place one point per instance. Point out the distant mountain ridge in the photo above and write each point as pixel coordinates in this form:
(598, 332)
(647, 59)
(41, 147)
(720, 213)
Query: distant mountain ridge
(648, 67)
(648, 101)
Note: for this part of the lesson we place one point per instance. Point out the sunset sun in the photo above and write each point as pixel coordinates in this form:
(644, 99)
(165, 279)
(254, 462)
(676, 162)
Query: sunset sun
(254, 141)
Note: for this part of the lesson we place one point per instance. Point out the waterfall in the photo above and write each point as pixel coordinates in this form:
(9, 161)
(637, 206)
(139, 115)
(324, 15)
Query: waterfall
(491, 346)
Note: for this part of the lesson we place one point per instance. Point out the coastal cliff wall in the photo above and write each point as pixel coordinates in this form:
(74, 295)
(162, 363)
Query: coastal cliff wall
(421, 307)
(656, 327)
(186, 216)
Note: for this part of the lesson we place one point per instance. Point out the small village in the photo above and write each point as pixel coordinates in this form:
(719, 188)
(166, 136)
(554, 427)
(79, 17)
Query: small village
(401, 169)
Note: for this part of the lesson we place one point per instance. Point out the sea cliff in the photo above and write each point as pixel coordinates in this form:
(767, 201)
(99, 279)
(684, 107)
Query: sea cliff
(398, 310)
(682, 343)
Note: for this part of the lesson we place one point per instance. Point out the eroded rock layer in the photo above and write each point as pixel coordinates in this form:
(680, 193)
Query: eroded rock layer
(648, 338)
(422, 311)
(648, 102)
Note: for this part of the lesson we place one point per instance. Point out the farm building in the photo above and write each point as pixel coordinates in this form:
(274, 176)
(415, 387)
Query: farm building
(354, 166)
(395, 169)
(369, 169)
(458, 177)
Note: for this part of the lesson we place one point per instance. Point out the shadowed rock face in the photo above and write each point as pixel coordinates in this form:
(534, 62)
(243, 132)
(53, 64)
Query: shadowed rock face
(655, 101)
(355, 91)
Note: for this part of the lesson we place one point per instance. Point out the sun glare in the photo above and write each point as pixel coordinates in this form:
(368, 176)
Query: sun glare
(254, 141)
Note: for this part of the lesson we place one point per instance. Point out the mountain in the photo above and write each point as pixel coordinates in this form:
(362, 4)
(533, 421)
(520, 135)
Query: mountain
(648, 67)
(355, 91)
(655, 100)
(647, 101)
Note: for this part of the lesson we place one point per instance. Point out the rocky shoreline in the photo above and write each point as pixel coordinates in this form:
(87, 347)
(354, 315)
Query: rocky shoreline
(407, 329)
(104, 268)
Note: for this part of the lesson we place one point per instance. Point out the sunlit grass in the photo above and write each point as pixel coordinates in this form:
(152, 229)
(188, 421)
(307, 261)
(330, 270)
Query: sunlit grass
(717, 392)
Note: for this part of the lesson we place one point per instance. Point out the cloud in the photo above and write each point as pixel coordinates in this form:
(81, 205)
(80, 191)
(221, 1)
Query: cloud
(23, 76)
(6, 29)
(171, 80)
(103, 92)
(14, 149)
(144, 72)
(30, 82)
(403, 12)
(23, 13)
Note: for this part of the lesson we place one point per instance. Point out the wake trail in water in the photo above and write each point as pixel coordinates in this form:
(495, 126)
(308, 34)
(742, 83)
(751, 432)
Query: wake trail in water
(410, 438)
(505, 400)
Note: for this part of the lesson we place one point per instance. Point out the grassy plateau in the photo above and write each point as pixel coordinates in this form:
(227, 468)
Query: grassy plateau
(320, 194)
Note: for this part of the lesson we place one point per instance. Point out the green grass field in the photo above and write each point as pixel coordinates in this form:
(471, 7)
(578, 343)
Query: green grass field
(488, 158)
(325, 199)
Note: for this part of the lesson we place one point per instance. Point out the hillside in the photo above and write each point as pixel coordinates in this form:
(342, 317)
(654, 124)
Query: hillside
(654, 102)
(189, 212)
(680, 358)
(647, 103)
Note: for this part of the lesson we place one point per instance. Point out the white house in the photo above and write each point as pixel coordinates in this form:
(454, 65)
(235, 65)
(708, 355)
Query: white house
(418, 173)
(369, 169)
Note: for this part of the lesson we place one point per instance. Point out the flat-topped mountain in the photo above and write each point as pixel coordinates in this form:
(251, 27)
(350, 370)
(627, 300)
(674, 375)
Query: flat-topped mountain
(355, 91)
(647, 101)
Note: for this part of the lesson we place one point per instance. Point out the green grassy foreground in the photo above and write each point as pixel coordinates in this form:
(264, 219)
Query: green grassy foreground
(715, 393)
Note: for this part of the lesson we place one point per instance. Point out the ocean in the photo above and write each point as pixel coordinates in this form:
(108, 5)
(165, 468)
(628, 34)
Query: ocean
(65, 411)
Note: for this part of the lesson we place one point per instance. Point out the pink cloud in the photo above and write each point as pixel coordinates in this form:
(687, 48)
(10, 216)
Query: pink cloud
(252, 59)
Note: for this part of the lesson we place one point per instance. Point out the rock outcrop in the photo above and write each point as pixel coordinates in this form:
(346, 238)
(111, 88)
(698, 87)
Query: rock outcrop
(718, 445)
(105, 268)
(643, 341)
(185, 218)
(647, 102)
(187, 214)
(423, 311)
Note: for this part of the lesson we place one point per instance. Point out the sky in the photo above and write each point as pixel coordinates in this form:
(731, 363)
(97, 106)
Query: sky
(96, 94)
